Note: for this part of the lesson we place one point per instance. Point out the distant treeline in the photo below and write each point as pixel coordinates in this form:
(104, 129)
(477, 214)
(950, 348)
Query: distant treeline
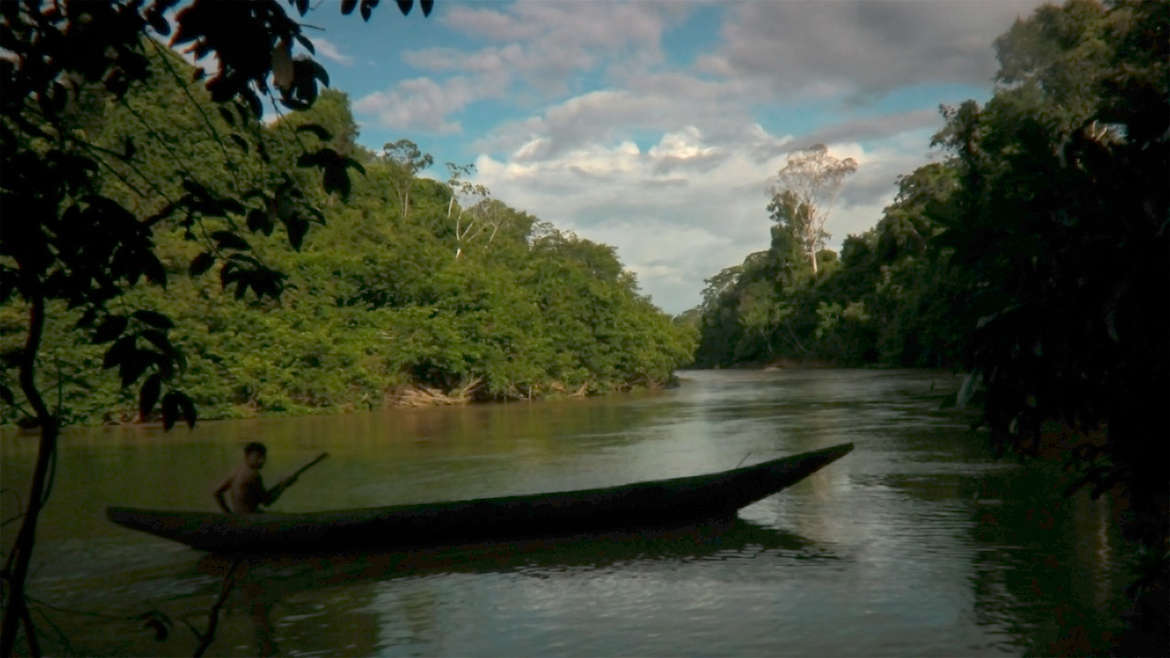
(410, 289)
(1048, 208)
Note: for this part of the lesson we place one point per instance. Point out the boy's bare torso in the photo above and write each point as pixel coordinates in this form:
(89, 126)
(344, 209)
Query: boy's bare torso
(245, 489)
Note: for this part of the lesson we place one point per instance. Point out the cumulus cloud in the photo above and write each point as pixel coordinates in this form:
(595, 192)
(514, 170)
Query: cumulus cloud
(424, 104)
(692, 203)
(531, 45)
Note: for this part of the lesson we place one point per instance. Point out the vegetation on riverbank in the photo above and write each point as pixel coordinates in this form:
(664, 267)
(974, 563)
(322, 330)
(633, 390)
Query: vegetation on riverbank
(1036, 256)
(408, 290)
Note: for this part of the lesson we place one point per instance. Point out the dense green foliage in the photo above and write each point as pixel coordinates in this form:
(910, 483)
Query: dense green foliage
(884, 300)
(375, 304)
(1037, 258)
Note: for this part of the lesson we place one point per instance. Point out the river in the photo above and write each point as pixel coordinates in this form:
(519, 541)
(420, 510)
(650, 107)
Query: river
(917, 543)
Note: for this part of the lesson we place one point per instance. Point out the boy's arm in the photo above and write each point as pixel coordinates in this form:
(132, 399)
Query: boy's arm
(219, 491)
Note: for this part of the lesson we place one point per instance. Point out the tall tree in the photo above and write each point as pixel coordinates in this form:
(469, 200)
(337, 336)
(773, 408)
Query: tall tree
(409, 160)
(805, 191)
(65, 241)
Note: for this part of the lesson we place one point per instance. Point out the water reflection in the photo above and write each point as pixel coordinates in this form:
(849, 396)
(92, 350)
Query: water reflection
(372, 596)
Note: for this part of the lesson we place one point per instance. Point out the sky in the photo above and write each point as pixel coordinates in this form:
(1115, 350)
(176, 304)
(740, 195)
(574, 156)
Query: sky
(657, 127)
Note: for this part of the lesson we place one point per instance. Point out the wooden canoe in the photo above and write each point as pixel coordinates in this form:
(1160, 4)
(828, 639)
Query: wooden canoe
(660, 502)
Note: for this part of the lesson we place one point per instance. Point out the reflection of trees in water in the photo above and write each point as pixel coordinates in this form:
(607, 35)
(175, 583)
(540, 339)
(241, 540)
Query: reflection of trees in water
(1045, 566)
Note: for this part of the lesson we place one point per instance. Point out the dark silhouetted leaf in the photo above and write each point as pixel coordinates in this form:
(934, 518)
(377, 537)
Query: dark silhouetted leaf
(110, 329)
(368, 8)
(201, 264)
(118, 352)
(148, 395)
(347, 6)
(297, 228)
(426, 6)
(160, 340)
(405, 6)
(135, 363)
(229, 240)
(170, 409)
(260, 221)
(304, 41)
(227, 115)
(320, 132)
(188, 409)
(158, 22)
(6, 395)
(153, 318)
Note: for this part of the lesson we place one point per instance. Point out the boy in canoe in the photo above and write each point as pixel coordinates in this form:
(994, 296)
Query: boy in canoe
(245, 484)
(247, 487)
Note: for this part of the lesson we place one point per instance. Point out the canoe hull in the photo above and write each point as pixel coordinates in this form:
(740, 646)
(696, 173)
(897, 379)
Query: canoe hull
(660, 502)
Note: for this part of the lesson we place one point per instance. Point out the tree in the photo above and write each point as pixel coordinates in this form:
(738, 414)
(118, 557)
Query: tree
(1063, 237)
(406, 156)
(466, 194)
(67, 241)
(804, 193)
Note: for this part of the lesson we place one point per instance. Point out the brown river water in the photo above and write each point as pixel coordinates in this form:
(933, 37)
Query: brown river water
(917, 543)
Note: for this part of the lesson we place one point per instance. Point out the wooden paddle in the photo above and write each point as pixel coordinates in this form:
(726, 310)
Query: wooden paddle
(277, 490)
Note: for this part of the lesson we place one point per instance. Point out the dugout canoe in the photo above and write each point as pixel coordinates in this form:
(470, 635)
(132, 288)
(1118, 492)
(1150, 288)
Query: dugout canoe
(654, 503)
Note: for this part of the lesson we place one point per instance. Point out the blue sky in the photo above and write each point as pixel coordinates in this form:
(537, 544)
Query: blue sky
(656, 126)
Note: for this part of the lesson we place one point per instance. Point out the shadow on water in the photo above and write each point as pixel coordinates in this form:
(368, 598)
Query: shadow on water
(262, 582)
(588, 551)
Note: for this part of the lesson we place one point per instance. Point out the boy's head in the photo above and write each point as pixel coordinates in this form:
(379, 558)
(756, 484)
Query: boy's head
(255, 454)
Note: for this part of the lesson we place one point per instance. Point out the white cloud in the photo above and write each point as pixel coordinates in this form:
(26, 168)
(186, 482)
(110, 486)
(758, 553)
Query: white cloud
(676, 225)
(330, 51)
(424, 104)
(532, 47)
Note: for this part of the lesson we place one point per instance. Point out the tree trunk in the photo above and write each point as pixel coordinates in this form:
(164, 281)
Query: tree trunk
(16, 570)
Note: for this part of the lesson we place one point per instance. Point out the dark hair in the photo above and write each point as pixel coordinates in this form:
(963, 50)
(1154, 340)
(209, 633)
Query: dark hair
(255, 446)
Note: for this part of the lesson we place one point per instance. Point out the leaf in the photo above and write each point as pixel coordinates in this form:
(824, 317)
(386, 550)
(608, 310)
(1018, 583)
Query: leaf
(304, 41)
(170, 409)
(118, 352)
(201, 264)
(160, 340)
(260, 221)
(148, 396)
(229, 240)
(153, 318)
(134, 365)
(426, 6)
(6, 395)
(347, 6)
(239, 141)
(321, 133)
(227, 115)
(297, 228)
(368, 8)
(110, 329)
(405, 6)
(158, 22)
(188, 408)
